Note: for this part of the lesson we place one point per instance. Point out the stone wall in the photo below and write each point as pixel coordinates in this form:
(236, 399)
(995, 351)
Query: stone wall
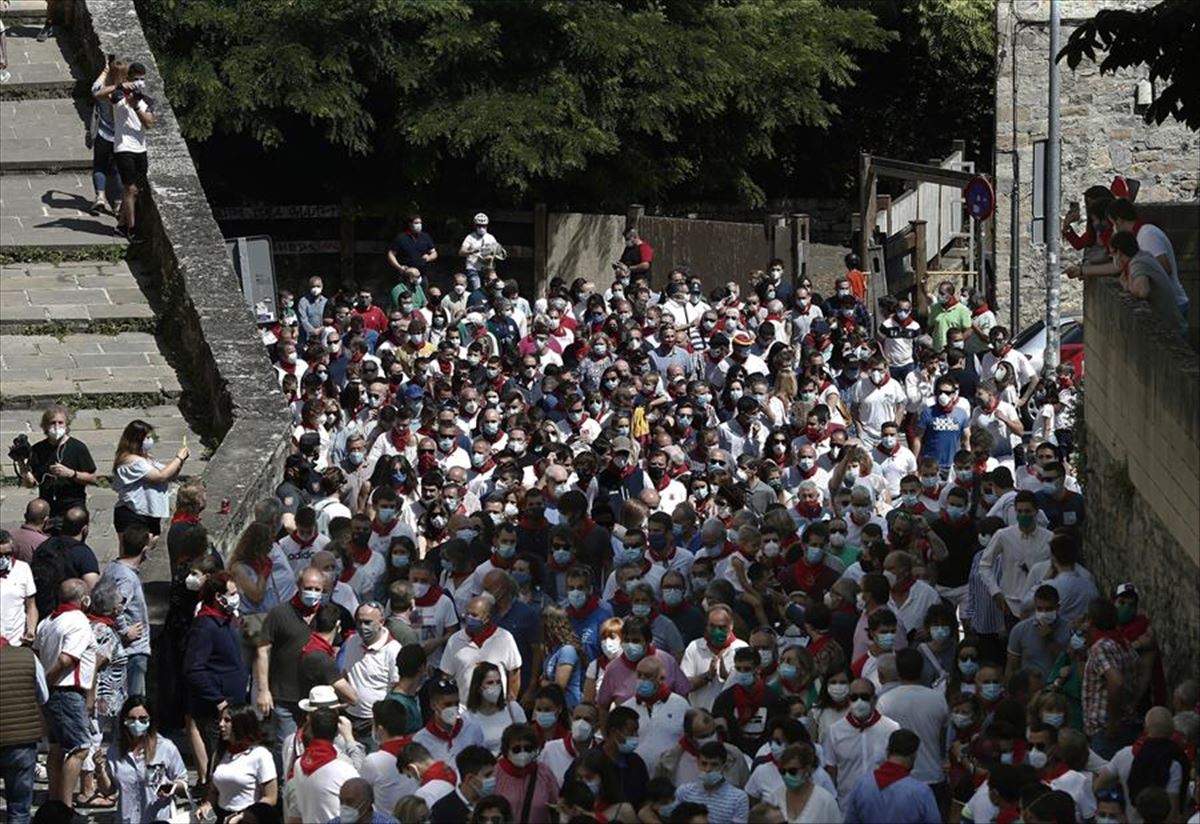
(227, 379)
(1142, 416)
(1102, 137)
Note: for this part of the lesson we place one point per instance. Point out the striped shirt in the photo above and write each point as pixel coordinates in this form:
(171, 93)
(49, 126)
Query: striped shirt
(725, 803)
(979, 608)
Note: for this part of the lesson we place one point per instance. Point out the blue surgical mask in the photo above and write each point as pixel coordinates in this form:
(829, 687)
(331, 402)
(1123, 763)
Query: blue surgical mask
(562, 556)
(646, 687)
(1078, 640)
(506, 550)
(137, 727)
(487, 786)
(742, 679)
(577, 598)
(672, 596)
(634, 652)
(711, 779)
(956, 513)
(939, 633)
(1054, 719)
(777, 748)
(968, 668)
(814, 554)
(310, 597)
(788, 671)
(886, 640)
(991, 691)
(473, 625)
(640, 610)
(629, 745)
(545, 720)
(400, 561)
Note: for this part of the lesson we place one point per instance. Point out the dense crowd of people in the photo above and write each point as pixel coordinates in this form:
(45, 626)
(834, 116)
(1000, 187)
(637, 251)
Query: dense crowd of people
(628, 551)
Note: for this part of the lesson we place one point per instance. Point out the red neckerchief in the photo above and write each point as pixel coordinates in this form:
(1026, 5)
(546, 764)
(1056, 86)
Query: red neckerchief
(689, 747)
(400, 437)
(792, 686)
(486, 466)
(261, 566)
(437, 732)
(318, 644)
(863, 725)
(480, 638)
(360, 554)
(950, 304)
(660, 695)
(107, 620)
(514, 770)
(1135, 628)
(817, 643)
(981, 309)
(587, 609)
(438, 771)
(937, 492)
(302, 608)
(902, 587)
(64, 608)
(185, 518)
(381, 529)
(806, 575)
(809, 509)
(394, 745)
(304, 544)
(501, 563)
(620, 599)
(730, 637)
(857, 665)
(663, 482)
(318, 753)
(1007, 815)
(348, 572)
(290, 368)
(446, 367)
(555, 733)
(746, 702)
(430, 598)
(888, 773)
(212, 612)
(1054, 771)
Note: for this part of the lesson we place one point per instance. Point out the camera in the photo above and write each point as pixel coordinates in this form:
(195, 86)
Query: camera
(20, 450)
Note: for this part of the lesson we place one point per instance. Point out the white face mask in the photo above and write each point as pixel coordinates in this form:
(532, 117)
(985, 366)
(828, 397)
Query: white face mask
(611, 647)
(193, 582)
(449, 715)
(57, 431)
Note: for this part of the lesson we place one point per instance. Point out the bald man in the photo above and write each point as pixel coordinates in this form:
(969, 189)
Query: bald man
(660, 711)
(67, 650)
(30, 534)
(1159, 745)
(356, 799)
(479, 640)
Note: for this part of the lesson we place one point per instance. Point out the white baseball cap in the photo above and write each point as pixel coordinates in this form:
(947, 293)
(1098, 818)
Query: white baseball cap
(481, 219)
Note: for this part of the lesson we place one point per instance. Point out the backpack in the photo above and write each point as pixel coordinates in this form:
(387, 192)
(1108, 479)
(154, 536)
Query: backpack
(49, 565)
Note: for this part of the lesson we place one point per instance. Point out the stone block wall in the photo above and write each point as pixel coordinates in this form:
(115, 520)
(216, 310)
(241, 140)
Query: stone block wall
(1102, 137)
(227, 379)
(1142, 416)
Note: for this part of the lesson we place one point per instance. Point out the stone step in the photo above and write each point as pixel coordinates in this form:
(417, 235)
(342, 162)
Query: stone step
(50, 212)
(44, 135)
(101, 536)
(80, 296)
(128, 367)
(100, 430)
(31, 11)
(38, 69)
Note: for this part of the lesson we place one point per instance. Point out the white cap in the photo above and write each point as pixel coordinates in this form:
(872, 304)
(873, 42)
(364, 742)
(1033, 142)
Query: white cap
(481, 219)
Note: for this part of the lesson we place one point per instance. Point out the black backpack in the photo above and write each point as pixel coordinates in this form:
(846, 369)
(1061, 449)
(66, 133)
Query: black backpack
(49, 565)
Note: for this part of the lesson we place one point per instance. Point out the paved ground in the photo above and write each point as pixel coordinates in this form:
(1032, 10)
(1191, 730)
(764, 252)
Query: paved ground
(51, 210)
(37, 133)
(72, 293)
(36, 67)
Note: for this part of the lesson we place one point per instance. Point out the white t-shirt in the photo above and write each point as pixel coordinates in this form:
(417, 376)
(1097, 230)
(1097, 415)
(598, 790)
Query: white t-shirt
(876, 406)
(820, 808)
(317, 794)
(924, 711)
(696, 660)
(379, 770)
(238, 778)
(432, 622)
(1154, 240)
(854, 753)
(493, 725)
(15, 587)
(473, 243)
(131, 135)
(69, 633)
(660, 727)
(1119, 767)
(371, 670)
(462, 655)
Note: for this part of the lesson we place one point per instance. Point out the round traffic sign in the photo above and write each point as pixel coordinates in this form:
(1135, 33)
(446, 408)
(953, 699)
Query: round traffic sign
(981, 197)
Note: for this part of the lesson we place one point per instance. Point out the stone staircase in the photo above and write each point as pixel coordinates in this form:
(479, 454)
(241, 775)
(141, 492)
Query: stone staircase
(76, 325)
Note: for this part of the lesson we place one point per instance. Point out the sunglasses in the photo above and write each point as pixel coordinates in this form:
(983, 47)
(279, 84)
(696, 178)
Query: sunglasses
(864, 696)
(517, 750)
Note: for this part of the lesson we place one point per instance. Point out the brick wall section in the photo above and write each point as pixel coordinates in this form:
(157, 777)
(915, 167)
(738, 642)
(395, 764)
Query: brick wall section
(1102, 136)
(227, 377)
(1142, 402)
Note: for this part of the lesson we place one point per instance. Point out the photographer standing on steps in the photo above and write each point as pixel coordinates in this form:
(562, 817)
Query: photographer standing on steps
(61, 467)
(133, 114)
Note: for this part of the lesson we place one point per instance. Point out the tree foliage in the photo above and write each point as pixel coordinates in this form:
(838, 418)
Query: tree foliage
(1165, 38)
(619, 98)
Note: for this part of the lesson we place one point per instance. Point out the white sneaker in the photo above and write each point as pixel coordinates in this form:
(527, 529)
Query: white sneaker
(101, 204)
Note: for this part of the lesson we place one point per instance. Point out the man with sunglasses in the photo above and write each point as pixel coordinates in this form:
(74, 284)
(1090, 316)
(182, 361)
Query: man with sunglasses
(858, 743)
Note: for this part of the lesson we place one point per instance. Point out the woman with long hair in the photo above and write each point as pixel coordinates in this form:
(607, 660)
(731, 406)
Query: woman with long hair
(146, 767)
(140, 481)
(833, 704)
(243, 771)
(600, 776)
(527, 784)
(487, 706)
(565, 658)
(250, 565)
(433, 527)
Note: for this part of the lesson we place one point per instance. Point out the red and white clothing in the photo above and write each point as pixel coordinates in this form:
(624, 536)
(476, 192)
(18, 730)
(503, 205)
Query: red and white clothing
(370, 669)
(430, 617)
(464, 652)
(68, 631)
(696, 660)
(856, 748)
(445, 745)
(299, 553)
(15, 586)
(660, 722)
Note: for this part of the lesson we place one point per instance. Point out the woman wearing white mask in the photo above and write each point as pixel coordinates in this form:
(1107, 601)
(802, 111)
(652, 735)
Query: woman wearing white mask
(61, 467)
(147, 768)
(528, 786)
(487, 706)
(140, 481)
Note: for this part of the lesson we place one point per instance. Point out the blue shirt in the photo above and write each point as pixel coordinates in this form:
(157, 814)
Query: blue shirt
(567, 654)
(941, 433)
(588, 629)
(524, 623)
(726, 803)
(907, 801)
(1068, 512)
(129, 584)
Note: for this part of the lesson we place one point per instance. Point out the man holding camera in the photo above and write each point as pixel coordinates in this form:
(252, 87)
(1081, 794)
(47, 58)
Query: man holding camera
(133, 114)
(61, 467)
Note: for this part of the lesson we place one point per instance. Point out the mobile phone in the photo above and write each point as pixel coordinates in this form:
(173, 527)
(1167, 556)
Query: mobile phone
(112, 58)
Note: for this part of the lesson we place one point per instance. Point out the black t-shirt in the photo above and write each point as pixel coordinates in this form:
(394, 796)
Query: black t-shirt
(962, 542)
(409, 248)
(287, 633)
(60, 493)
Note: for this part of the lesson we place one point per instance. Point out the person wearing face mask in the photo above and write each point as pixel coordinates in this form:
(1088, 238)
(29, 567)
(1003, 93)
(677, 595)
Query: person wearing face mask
(857, 744)
(910, 597)
(215, 666)
(477, 778)
(746, 705)
(481, 639)
(141, 483)
(145, 766)
(943, 427)
(897, 337)
(133, 622)
(620, 674)
(876, 593)
(881, 641)
(722, 800)
(521, 620)
(61, 467)
(1035, 642)
(1010, 555)
(660, 710)
(876, 399)
(948, 312)
(368, 666)
(798, 792)
(527, 785)
(411, 254)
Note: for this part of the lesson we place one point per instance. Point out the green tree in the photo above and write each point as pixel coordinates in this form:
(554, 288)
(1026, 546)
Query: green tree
(614, 99)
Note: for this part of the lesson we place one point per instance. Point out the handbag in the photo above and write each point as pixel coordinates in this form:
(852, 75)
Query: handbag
(529, 795)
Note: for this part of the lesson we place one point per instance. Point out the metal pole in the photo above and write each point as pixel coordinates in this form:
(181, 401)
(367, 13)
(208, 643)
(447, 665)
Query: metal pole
(1053, 199)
